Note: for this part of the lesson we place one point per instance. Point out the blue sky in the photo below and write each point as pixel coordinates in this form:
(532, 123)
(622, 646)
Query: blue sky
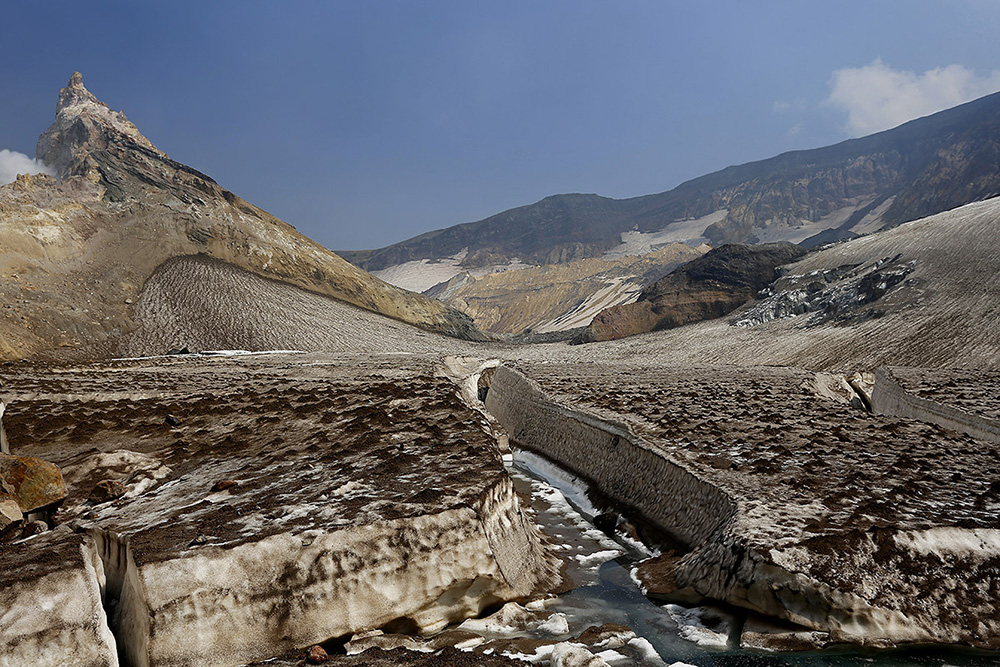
(364, 123)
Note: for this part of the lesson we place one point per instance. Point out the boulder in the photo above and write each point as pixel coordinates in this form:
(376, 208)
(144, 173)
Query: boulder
(35, 484)
(608, 635)
(316, 655)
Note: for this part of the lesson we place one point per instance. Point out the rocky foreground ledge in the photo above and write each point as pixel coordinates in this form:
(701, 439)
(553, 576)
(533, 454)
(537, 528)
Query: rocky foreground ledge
(221, 511)
(791, 504)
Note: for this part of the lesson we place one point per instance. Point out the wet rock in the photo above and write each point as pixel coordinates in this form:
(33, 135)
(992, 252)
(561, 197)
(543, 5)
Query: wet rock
(513, 619)
(224, 484)
(606, 522)
(459, 639)
(710, 627)
(34, 483)
(658, 577)
(106, 491)
(316, 655)
(171, 420)
(34, 528)
(608, 635)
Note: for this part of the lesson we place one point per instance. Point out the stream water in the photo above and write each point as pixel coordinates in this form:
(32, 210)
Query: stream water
(605, 592)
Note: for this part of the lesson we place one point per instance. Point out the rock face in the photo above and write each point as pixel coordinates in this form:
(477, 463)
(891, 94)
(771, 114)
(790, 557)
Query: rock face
(368, 495)
(918, 169)
(79, 247)
(706, 288)
(792, 504)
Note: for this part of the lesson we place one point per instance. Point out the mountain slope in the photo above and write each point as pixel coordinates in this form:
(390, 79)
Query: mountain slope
(925, 293)
(920, 168)
(76, 250)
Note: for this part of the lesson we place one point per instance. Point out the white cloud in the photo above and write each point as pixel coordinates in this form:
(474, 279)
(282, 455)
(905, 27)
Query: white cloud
(877, 97)
(13, 163)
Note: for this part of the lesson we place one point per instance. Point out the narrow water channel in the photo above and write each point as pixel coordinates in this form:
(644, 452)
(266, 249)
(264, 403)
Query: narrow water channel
(606, 593)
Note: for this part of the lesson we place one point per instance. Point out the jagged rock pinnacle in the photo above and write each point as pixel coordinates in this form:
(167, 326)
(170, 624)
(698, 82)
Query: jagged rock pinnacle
(84, 124)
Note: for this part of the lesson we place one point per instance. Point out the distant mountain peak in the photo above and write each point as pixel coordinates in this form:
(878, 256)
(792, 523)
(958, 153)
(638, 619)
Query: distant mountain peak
(84, 124)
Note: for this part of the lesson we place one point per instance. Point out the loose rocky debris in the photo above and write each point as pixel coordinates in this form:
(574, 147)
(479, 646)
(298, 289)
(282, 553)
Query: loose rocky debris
(36, 527)
(11, 516)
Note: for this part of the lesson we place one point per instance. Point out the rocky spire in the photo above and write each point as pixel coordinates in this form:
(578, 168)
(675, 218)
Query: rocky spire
(74, 93)
(84, 125)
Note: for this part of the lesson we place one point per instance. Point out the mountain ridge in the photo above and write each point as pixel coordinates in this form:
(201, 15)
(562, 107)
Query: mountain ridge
(919, 168)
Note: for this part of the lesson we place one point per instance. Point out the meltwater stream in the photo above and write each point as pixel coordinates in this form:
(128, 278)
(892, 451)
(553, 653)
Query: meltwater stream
(606, 593)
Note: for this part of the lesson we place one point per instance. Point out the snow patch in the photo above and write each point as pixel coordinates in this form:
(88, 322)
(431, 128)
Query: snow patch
(689, 231)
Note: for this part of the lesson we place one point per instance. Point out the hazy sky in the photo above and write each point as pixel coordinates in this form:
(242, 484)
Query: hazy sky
(363, 123)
